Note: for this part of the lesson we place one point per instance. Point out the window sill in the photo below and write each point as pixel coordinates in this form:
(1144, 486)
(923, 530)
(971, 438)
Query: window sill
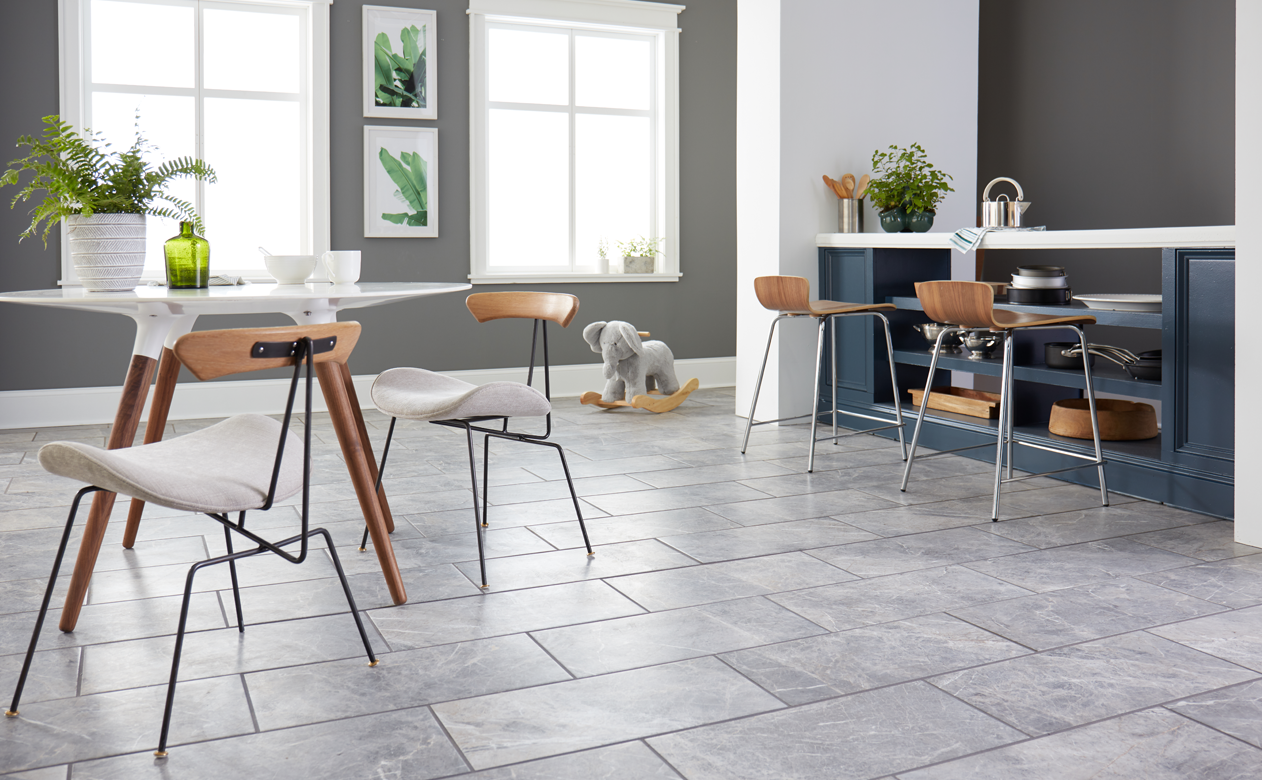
(570, 278)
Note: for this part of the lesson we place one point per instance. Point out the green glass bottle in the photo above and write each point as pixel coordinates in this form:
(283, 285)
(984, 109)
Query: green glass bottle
(188, 259)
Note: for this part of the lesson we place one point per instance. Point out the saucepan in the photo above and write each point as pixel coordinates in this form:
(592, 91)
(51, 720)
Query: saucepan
(1146, 365)
(931, 331)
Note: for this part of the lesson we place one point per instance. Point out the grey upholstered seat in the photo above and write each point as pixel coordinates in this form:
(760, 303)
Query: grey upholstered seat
(417, 394)
(224, 468)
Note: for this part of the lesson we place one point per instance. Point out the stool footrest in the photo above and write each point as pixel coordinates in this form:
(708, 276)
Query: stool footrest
(1091, 459)
(1054, 471)
(856, 433)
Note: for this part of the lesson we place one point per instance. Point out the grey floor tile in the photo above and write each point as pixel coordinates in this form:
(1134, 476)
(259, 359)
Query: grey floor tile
(918, 551)
(516, 726)
(915, 519)
(628, 761)
(496, 614)
(727, 580)
(824, 667)
(701, 475)
(121, 665)
(627, 528)
(1078, 564)
(49, 773)
(803, 507)
(1059, 689)
(675, 498)
(1153, 744)
(504, 516)
(823, 481)
(106, 724)
(1085, 612)
(310, 693)
(1236, 710)
(601, 468)
(553, 568)
(661, 637)
(450, 548)
(862, 736)
(112, 622)
(402, 744)
(54, 674)
(898, 596)
(559, 489)
(1234, 636)
(772, 539)
(1235, 582)
(1087, 525)
(1208, 541)
(930, 488)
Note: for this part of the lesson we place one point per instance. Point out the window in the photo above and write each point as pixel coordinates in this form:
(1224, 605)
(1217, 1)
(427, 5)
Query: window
(574, 127)
(241, 84)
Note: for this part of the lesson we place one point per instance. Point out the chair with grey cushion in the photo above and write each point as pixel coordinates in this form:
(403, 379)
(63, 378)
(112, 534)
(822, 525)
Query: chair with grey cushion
(236, 465)
(417, 394)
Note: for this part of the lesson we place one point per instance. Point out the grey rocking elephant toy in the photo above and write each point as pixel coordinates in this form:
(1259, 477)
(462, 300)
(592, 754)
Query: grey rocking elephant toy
(632, 367)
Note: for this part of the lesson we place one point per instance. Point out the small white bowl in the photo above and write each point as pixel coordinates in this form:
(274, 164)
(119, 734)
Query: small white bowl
(290, 269)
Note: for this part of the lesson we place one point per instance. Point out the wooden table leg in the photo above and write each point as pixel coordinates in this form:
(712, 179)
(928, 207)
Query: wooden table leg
(334, 384)
(367, 444)
(126, 419)
(163, 392)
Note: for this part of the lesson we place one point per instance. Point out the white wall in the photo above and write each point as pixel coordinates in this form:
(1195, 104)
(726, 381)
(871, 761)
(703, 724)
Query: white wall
(853, 76)
(1248, 270)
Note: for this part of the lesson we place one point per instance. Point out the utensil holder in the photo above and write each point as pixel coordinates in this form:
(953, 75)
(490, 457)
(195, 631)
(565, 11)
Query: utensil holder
(849, 215)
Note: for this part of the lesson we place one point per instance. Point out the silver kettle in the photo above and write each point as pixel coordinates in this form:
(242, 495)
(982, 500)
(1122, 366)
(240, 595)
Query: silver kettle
(1002, 212)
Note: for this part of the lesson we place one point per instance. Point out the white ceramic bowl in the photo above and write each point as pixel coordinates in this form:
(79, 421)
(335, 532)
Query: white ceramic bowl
(290, 269)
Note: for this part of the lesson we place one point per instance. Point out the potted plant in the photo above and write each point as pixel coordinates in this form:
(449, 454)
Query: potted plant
(906, 188)
(639, 255)
(103, 196)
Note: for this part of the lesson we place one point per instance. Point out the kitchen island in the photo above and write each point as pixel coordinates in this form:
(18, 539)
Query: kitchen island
(1189, 465)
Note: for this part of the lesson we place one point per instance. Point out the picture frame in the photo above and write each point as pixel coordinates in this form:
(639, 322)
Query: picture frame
(400, 58)
(400, 182)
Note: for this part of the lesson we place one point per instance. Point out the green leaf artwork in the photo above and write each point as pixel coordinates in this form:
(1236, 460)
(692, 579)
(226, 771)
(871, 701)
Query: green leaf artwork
(408, 174)
(400, 79)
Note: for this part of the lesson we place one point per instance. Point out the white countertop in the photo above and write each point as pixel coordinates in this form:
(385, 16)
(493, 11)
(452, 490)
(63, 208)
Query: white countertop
(1153, 238)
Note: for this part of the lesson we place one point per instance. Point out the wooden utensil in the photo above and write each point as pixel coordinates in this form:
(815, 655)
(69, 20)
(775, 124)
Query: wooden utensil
(834, 186)
(847, 184)
(863, 186)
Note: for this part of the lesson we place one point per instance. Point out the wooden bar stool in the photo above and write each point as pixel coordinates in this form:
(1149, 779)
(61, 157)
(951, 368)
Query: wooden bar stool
(791, 297)
(969, 306)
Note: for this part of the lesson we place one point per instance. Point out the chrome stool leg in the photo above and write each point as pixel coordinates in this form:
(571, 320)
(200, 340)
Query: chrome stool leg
(1095, 422)
(924, 406)
(1005, 412)
(819, 369)
(832, 361)
(749, 421)
(898, 403)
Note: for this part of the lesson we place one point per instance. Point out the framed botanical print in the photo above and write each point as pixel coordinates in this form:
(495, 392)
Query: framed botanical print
(400, 182)
(400, 63)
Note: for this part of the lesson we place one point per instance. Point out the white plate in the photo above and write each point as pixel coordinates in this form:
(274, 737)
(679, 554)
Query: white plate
(1039, 282)
(1121, 301)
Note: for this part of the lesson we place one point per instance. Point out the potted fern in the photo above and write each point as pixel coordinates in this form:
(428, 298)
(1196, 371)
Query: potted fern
(103, 196)
(905, 188)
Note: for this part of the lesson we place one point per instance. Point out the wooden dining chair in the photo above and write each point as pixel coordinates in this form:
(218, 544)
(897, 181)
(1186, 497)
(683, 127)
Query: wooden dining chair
(418, 394)
(969, 306)
(790, 296)
(236, 465)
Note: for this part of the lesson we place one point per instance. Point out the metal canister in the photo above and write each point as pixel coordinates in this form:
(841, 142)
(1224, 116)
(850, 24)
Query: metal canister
(849, 215)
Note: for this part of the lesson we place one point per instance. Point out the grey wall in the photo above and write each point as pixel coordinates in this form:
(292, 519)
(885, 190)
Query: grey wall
(1116, 114)
(695, 315)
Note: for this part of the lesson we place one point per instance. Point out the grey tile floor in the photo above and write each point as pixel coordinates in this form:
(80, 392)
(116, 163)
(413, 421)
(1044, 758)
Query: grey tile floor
(741, 619)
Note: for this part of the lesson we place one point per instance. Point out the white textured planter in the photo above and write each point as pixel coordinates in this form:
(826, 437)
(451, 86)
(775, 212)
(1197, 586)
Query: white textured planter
(638, 264)
(108, 250)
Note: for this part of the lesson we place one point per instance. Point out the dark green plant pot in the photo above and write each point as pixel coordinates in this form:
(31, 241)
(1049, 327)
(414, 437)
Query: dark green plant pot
(894, 220)
(919, 221)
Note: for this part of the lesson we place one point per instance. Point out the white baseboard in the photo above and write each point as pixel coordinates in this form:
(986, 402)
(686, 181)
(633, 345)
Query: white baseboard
(195, 400)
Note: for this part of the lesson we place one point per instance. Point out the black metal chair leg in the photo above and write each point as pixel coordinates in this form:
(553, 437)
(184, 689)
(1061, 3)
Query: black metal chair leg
(350, 597)
(486, 478)
(573, 494)
(232, 570)
(477, 517)
(161, 752)
(381, 473)
(12, 712)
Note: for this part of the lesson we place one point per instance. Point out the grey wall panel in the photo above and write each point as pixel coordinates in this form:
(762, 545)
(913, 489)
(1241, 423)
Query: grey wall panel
(695, 316)
(1110, 114)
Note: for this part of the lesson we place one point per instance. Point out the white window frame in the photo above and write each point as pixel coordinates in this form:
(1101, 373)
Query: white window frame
(75, 79)
(612, 16)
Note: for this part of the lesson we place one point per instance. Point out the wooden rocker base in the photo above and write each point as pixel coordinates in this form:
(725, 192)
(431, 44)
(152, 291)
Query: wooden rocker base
(654, 401)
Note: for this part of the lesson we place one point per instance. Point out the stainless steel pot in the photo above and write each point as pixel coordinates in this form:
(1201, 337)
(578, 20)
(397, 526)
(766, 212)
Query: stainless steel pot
(1003, 213)
(931, 331)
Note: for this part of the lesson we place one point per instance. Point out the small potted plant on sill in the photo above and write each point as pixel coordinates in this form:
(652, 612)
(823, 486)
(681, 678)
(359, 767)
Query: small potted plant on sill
(103, 196)
(639, 255)
(906, 188)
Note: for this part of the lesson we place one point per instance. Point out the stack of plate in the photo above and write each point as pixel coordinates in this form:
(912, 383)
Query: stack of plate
(1039, 284)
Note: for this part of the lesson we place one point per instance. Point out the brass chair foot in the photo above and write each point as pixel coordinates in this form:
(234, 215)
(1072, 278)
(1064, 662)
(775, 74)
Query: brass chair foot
(591, 554)
(374, 663)
(160, 753)
(363, 549)
(484, 525)
(485, 587)
(10, 713)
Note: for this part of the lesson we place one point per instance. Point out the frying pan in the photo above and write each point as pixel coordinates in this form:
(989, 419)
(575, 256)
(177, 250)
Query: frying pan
(1147, 366)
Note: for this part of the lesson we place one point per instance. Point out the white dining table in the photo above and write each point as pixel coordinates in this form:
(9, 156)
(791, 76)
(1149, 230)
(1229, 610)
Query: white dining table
(162, 315)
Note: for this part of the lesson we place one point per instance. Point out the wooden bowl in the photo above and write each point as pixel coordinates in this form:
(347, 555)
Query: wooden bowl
(1119, 420)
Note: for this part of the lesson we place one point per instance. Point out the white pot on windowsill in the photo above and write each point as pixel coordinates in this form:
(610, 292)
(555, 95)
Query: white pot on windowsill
(108, 250)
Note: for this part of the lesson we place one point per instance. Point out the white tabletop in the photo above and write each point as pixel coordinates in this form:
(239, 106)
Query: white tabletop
(163, 315)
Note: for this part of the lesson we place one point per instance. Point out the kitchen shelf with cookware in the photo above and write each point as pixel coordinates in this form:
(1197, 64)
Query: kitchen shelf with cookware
(1189, 464)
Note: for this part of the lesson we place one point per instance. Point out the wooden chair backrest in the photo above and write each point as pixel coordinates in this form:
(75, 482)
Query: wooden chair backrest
(784, 293)
(512, 304)
(970, 304)
(215, 353)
